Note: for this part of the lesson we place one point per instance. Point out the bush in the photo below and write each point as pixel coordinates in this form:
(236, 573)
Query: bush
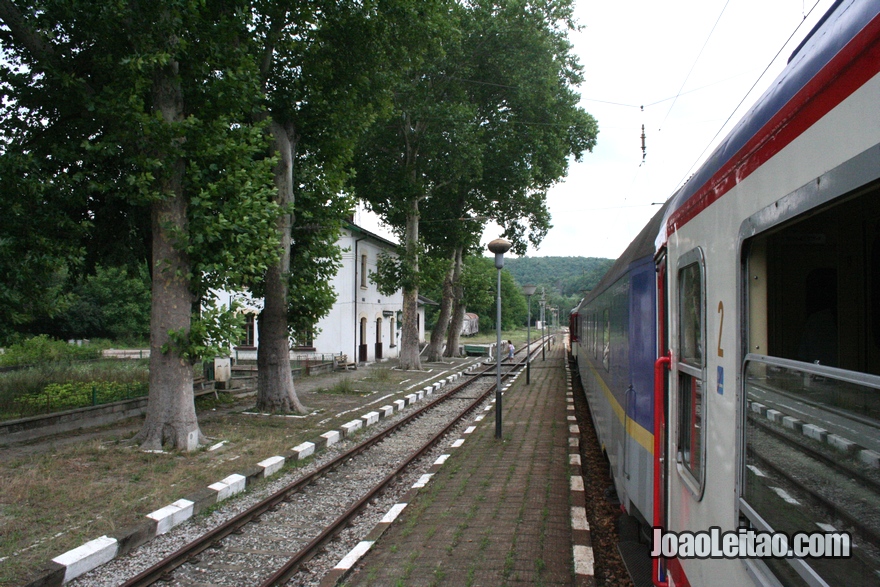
(66, 396)
(42, 349)
(53, 386)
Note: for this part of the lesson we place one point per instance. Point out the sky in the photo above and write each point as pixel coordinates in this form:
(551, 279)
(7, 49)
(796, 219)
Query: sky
(696, 66)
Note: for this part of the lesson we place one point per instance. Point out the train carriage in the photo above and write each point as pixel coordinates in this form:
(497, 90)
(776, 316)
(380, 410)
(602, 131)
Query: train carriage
(732, 355)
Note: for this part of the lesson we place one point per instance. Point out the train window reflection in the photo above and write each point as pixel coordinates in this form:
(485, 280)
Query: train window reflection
(812, 462)
(691, 415)
(691, 306)
(691, 402)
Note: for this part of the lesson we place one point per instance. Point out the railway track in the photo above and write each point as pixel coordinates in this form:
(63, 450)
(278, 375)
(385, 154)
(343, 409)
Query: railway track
(815, 490)
(277, 538)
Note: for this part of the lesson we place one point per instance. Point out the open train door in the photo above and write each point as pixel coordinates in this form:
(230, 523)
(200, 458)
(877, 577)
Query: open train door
(661, 411)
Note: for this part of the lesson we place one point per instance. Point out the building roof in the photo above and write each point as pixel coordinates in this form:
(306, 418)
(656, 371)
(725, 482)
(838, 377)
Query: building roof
(426, 301)
(371, 235)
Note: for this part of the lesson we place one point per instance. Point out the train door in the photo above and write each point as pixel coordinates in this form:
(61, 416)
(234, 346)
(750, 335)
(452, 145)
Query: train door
(661, 408)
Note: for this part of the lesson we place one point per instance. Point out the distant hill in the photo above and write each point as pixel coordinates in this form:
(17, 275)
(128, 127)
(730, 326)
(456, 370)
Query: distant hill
(568, 277)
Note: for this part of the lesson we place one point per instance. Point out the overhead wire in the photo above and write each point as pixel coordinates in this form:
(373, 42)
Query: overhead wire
(703, 48)
(763, 73)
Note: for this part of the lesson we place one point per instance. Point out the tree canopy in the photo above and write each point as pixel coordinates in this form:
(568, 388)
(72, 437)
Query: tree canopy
(145, 110)
(483, 121)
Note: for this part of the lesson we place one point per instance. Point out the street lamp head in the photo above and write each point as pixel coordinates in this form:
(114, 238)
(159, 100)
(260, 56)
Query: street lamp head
(529, 290)
(499, 246)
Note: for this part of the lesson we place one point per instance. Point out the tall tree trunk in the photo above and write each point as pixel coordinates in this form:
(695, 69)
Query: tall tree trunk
(409, 334)
(171, 413)
(454, 335)
(438, 334)
(275, 390)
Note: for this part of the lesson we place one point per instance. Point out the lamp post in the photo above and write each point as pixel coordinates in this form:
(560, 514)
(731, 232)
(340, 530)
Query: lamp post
(543, 304)
(499, 246)
(529, 291)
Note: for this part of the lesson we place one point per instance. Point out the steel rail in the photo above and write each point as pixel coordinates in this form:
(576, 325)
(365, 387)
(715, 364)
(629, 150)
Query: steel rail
(811, 452)
(830, 506)
(161, 570)
(292, 566)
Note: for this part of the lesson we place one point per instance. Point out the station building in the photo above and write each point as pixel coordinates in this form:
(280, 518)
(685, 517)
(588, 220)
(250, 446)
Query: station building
(363, 324)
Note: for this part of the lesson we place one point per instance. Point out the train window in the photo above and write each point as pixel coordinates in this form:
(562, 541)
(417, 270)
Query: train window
(691, 312)
(606, 339)
(811, 382)
(811, 468)
(691, 352)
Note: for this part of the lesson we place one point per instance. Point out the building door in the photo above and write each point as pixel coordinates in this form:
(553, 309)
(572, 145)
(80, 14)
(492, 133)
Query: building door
(362, 347)
(378, 338)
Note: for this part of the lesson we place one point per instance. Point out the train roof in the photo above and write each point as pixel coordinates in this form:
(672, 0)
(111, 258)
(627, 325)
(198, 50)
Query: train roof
(640, 248)
(743, 150)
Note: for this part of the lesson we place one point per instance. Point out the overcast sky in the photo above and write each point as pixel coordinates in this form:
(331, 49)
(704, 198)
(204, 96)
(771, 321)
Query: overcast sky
(689, 63)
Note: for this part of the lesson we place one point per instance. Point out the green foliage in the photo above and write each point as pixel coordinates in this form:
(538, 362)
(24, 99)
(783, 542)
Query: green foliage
(85, 133)
(211, 334)
(565, 280)
(314, 257)
(38, 238)
(480, 279)
(231, 213)
(66, 396)
(23, 391)
(394, 273)
(344, 386)
(483, 120)
(112, 303)
(433, 272)
(567, 276)
(42, 349)
(562, 279)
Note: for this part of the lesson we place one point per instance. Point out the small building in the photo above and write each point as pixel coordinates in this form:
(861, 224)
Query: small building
(470, 325)
(363, 324)
(422, 302)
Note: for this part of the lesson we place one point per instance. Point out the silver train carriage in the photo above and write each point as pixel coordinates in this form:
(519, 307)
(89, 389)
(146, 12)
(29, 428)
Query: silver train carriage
(731, 357)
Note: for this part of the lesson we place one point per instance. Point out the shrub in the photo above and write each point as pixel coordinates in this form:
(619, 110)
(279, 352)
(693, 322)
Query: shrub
(42, 349)
(53, 386)
(66, 396)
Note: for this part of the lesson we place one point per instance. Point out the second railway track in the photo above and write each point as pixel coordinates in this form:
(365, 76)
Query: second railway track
(299, 526)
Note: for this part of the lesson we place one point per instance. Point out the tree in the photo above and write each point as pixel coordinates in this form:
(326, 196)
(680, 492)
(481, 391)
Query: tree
(480, 284)
(425, 142)
(157, 114)
(111, 302)
(481, 130)
(321, 64)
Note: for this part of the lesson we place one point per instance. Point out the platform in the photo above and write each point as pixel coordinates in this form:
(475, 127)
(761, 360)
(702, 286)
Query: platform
(497, 512)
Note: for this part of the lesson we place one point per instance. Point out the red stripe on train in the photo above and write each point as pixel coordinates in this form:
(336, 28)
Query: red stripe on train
(847, 71)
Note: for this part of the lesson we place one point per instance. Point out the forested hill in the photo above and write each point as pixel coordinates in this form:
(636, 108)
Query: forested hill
(564, 276)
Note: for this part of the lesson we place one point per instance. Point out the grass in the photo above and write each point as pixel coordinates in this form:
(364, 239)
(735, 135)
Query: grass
(518, 336)
(381, 374)
(65, 385)
(109, 485)
(344, 386)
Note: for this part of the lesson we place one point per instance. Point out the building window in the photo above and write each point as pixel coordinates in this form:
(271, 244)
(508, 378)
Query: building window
(364, 270)
(691, 364)
(304, 341)
(248, 339)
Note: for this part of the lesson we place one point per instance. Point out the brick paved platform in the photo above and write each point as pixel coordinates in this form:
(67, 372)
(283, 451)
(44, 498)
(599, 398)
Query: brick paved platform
(496, 512)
